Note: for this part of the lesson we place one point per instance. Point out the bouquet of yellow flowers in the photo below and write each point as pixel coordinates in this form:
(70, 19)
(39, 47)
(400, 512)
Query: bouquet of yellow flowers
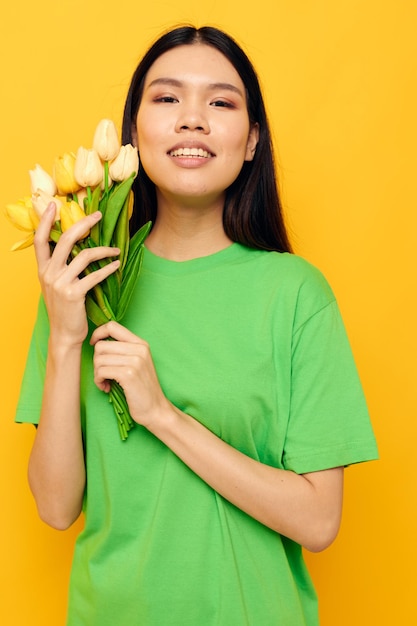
(94, 179)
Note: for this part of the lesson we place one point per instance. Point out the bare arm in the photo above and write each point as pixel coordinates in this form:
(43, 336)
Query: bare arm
(56, 465)
(306, 508)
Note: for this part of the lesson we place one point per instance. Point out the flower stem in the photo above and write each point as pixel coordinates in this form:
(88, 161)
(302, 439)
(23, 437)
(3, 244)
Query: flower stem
(121, 409)
(106, 177)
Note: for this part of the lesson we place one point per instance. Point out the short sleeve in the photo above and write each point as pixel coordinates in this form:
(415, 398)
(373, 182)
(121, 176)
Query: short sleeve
(329, 424)
(31, 390)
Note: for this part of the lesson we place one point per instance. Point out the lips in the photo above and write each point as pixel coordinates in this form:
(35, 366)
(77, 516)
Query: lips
(191, 149)
(190, 152)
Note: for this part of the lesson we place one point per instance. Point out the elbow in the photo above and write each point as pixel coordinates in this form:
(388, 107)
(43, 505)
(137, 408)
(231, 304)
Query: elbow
(323, 536)
(55, 507)
(54, 510)
(58, 520)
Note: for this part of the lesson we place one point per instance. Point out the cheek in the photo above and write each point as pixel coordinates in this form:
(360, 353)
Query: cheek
(236, 151)
(146, 146)
(235, 137)
(152, 132)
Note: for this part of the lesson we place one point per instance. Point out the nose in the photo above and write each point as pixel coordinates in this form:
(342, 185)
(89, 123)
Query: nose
(192, 117)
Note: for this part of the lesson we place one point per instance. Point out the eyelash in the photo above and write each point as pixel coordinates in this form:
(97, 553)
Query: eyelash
(216, 103)
(164, 99)
(223, 103)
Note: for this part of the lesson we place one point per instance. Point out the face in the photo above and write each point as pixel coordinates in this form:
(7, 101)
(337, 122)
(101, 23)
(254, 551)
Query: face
(193, 129)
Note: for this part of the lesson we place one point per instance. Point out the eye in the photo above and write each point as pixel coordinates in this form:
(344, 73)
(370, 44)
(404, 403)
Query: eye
(223, 103)
(166, 99)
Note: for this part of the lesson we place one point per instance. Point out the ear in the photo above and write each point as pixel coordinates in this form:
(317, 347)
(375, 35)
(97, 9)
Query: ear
(252, 142)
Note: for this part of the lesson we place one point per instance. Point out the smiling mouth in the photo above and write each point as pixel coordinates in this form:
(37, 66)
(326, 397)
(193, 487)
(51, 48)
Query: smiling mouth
(191, 152)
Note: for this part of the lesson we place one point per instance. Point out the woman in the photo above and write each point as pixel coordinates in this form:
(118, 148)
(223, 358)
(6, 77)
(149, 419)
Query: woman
(234, 362)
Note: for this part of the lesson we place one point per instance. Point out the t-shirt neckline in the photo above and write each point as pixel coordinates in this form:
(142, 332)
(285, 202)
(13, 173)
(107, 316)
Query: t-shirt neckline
(161, 265)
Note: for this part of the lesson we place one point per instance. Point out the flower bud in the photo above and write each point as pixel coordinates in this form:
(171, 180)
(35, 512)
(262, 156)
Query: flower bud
(88, 169)
(39, 179)
(40, 201)
(22, 215)
(106, 140)
(71, 213)
(125, 164)
(63, 174)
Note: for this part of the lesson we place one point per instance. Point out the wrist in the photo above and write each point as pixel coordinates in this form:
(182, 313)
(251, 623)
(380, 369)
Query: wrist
(165, 422)
(62, 346)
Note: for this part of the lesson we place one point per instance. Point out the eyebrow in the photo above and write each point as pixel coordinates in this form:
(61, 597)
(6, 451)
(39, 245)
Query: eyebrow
(211, 87)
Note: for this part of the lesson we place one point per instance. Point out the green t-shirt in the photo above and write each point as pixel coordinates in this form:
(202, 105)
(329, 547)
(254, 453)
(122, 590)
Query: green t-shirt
(251, 344)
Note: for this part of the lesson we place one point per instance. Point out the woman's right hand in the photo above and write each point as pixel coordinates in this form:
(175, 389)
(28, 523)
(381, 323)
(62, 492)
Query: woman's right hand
(63, 290)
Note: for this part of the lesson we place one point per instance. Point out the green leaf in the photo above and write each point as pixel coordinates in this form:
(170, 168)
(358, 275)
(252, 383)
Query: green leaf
(94, 313)
(121, 233)
(130, 277)
(115, 202)
(92, 207)
(55, 234)
(111, 287)
(100, 298)
(140, 236)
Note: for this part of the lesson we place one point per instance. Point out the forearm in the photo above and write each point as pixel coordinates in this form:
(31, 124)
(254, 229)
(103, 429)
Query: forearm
(56, 465)
(305, 508)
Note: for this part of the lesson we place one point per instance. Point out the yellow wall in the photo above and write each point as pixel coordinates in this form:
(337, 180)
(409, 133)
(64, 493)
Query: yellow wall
(340, 83)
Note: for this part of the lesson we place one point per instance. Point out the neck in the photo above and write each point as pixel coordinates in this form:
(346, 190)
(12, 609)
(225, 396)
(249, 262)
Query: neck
(184, 233)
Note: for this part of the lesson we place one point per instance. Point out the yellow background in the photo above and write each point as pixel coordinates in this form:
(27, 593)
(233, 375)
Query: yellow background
(340, 84)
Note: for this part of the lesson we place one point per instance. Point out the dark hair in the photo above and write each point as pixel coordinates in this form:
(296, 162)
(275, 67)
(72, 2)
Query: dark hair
(252, 212)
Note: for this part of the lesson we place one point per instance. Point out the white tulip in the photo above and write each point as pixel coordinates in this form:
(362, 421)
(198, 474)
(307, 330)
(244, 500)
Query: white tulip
(125, 164)
(40, 201)
(88, 169)
(39, 179)
(106, 141)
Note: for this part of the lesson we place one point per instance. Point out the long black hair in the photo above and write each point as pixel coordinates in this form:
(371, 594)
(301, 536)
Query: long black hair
(252, 213)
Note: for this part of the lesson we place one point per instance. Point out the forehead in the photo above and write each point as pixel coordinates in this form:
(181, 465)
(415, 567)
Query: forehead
(195, 63)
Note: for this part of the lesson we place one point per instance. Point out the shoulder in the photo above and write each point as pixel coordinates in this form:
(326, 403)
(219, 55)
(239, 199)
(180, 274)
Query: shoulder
(290, 286)
(292, 273)
(298, 267)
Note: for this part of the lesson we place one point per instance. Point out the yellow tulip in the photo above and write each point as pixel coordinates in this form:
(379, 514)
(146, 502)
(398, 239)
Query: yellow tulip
(63, 174)
(106, 140)
(22, 215)
(125, 164)
(88, 169)
(40, 201)
(39, 179)
(71, 213)
(23, 243)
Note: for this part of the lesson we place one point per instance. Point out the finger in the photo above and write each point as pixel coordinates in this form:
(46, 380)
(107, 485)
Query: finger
(88, 256)
(118, 351)
(41, 240)
(115, 331)
(71, 236)
(125, 376)
(96, 277)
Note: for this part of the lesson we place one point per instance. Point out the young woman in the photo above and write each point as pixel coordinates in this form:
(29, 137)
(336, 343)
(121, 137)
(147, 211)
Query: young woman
(234, 362)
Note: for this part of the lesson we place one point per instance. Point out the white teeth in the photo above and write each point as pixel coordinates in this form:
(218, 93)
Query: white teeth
(199, 152)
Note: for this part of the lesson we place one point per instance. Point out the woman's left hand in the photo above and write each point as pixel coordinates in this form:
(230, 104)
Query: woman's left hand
(306, 508)
(128, 361)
